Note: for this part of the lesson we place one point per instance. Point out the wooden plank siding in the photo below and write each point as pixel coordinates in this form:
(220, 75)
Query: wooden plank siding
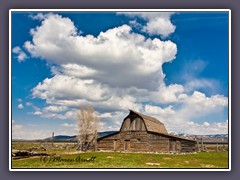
(142, 141)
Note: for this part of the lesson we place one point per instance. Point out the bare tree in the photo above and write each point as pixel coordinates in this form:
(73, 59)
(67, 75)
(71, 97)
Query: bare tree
(87, 128)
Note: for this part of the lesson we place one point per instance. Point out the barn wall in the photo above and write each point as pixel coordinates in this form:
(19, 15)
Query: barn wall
(158, 143)
(143, 141)
(188, 146)
(107, 143)
(134, 141)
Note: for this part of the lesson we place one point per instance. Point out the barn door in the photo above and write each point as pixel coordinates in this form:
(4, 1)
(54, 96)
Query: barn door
(115, 144)
(126, 145)
(172, 145)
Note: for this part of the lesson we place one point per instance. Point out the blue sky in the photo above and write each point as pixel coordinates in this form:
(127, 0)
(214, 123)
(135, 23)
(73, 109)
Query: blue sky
(170, 65)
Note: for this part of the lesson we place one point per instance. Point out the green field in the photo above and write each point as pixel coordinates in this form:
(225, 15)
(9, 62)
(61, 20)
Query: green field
(62, 158)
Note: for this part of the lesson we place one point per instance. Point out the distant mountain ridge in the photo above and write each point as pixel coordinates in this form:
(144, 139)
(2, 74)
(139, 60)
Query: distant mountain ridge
(193, 135)
(206, 138)
(74, 138)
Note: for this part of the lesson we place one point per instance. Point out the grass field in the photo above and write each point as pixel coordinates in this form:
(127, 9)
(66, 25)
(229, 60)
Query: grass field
(72, 159)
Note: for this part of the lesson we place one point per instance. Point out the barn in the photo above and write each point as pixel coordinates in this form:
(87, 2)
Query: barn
(142, 133)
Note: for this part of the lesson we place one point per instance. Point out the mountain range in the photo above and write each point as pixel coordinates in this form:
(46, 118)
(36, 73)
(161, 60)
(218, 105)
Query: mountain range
(206, 138)
(74, 138)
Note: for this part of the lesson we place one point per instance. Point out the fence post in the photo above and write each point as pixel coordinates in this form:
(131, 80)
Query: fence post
(198, 148)
(52, 138)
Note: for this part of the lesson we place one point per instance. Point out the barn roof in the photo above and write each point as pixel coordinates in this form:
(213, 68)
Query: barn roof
(152, 124)
(172, 136)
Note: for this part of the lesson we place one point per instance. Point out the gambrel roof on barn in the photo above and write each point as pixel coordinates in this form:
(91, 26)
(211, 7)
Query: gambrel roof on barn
(151, 124)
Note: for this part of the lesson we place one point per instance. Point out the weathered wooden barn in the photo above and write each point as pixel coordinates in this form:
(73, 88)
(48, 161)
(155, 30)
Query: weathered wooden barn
(142, 133)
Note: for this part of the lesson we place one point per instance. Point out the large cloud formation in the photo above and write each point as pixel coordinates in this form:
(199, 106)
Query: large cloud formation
(115, 71)
(104, 57)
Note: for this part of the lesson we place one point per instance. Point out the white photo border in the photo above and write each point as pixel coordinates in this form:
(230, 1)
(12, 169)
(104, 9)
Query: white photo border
(119, 10)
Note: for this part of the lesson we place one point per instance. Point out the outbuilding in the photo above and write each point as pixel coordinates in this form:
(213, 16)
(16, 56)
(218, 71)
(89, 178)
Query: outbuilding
(142, 133)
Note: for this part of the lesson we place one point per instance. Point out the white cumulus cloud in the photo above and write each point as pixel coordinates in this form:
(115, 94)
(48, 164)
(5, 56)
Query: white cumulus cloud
(103, 57)
(68, 125)
(21, 55)
(20, 106)
(158, 23)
